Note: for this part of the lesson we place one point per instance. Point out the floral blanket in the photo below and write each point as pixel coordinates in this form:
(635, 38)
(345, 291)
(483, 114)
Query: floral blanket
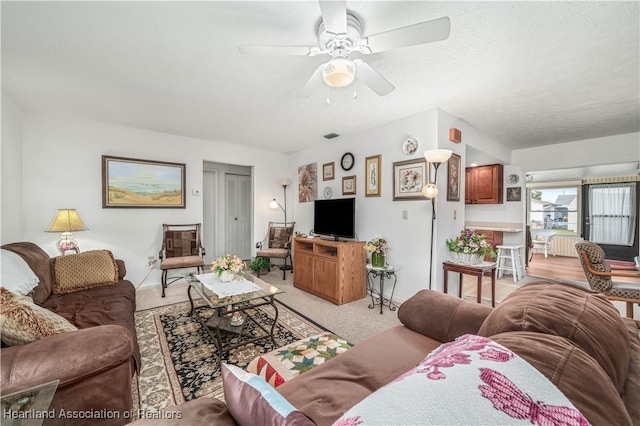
(472, 380)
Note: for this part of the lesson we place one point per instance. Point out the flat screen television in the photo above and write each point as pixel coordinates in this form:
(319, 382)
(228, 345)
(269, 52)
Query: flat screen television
(335, 218)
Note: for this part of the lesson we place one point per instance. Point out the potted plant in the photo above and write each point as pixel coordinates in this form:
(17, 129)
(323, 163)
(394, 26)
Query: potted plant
(469, 248)
(378, 248)
(260, 264)
(226, 266)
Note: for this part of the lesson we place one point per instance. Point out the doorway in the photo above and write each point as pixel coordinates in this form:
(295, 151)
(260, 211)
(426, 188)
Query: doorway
(227, 210)
(611, 218)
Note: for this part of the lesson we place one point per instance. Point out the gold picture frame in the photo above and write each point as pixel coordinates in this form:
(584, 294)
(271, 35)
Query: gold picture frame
(373, 176)
(349, 185)
(136, 183)
(453, 178)
(409, 177)
(329, 171)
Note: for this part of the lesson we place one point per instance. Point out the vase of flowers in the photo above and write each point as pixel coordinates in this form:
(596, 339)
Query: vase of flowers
(378, 248)
(469, 248)
(227, 266)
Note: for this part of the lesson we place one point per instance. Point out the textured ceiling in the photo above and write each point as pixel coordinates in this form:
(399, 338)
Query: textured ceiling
(524, 73)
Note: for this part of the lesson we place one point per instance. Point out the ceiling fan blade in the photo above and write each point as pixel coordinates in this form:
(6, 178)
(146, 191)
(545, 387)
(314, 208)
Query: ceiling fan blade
(412, 35)
(334, 16)
(312, 84)
(372, 78)
(280, 50)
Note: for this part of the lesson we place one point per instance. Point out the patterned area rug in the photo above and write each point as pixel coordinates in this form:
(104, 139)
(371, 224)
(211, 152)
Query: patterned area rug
(179, 356)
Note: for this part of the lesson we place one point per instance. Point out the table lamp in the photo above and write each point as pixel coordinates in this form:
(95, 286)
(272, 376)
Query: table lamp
(66, 221)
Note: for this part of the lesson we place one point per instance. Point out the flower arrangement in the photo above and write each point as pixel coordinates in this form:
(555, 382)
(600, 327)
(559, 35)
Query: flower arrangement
(468, 242)
(377, 244)
(227, 263)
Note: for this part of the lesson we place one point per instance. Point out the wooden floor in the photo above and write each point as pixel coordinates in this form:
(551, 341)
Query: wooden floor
(562, 267)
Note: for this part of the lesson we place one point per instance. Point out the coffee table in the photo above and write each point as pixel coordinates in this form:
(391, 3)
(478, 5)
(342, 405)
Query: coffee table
(223, 307)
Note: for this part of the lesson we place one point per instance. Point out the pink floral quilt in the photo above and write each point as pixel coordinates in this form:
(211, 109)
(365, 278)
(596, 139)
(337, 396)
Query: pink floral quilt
(471, 381)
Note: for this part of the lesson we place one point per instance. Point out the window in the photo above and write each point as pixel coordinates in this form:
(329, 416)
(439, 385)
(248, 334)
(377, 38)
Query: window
(556, 208)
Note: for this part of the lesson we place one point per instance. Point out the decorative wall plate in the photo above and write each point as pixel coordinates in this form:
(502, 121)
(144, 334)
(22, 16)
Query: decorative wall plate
(410, 146)
(513, 179)
(347, 161)
(327, 192)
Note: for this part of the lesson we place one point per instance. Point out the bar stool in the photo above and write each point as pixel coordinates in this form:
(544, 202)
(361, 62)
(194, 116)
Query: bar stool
(510, 260)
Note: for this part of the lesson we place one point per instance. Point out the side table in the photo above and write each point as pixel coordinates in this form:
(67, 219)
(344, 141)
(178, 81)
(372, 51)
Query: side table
(479, 271)
(383, 272)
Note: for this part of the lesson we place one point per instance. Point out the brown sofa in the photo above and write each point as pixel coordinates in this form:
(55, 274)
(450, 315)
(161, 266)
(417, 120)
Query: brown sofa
(94, 364)
(575, 338)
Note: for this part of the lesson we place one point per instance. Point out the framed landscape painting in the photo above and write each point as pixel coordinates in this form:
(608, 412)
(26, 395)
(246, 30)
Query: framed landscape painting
(135, 183)
(408, 179)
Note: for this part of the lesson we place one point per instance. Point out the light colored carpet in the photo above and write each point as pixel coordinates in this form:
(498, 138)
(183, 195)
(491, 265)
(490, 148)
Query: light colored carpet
(353, 321)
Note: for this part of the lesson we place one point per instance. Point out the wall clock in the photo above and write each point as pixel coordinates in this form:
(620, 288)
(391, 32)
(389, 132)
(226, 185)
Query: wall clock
(327, 192)
(347, 161)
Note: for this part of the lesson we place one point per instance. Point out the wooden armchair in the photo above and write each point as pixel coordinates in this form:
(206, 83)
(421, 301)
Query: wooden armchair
(277, 244)
(181, 248)
(600, 273)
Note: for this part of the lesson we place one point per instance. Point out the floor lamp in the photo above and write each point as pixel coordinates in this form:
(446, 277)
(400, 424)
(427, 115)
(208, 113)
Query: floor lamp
(434, 157)
(274, 204)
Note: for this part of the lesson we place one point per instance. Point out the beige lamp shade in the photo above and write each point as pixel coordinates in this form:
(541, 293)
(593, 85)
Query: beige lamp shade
(67, 220)
(437, 155)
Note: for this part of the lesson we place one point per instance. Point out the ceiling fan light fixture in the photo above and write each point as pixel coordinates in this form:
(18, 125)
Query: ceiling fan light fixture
(339, 72)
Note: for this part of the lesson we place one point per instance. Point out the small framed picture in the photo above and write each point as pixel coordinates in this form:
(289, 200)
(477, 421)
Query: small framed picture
(408, 179)
(328, 171)
(372, 177)
(349, 185)
(453, 178)
(514, 193)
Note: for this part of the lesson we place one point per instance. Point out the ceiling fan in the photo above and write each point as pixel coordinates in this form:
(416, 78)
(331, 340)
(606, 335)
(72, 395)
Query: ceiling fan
(339, 34)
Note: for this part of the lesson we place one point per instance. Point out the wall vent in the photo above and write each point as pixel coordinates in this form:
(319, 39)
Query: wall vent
(331, 135)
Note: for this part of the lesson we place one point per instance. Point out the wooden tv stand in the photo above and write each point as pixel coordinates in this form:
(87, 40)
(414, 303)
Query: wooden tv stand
(332, 270)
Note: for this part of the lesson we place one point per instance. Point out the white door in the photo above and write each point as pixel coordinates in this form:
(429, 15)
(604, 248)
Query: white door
(238, 215)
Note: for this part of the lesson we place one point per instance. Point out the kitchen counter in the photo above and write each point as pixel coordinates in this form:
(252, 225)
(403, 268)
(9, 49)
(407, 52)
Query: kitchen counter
(495, 226)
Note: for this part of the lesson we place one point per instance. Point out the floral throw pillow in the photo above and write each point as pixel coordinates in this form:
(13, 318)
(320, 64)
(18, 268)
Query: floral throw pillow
(491, 383)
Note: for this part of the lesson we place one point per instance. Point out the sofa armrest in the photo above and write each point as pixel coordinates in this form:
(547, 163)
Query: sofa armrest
(69, 357)
(440, 316)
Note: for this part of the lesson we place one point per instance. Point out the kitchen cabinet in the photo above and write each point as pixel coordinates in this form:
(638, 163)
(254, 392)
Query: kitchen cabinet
(483, 184)
(332, 270)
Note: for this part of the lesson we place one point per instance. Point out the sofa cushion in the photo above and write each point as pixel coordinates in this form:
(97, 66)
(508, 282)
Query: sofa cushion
(17, 276)
(573, 371)
(83, 271)
(440, 316)
(632, 385)
(587, 319)
(330, 389)
(252, 401)
(40, 263)
(22, 321)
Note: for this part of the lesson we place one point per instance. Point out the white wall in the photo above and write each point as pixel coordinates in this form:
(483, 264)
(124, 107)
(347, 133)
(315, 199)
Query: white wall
(11, 175)
(62, 169)
(409, 240)
(589, 152)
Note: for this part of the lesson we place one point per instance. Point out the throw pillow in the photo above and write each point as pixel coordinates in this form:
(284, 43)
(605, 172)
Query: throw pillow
(22, 321)
(83, 271)
(287, 362)
(252, 401)
(472, 380)
(17, 276)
